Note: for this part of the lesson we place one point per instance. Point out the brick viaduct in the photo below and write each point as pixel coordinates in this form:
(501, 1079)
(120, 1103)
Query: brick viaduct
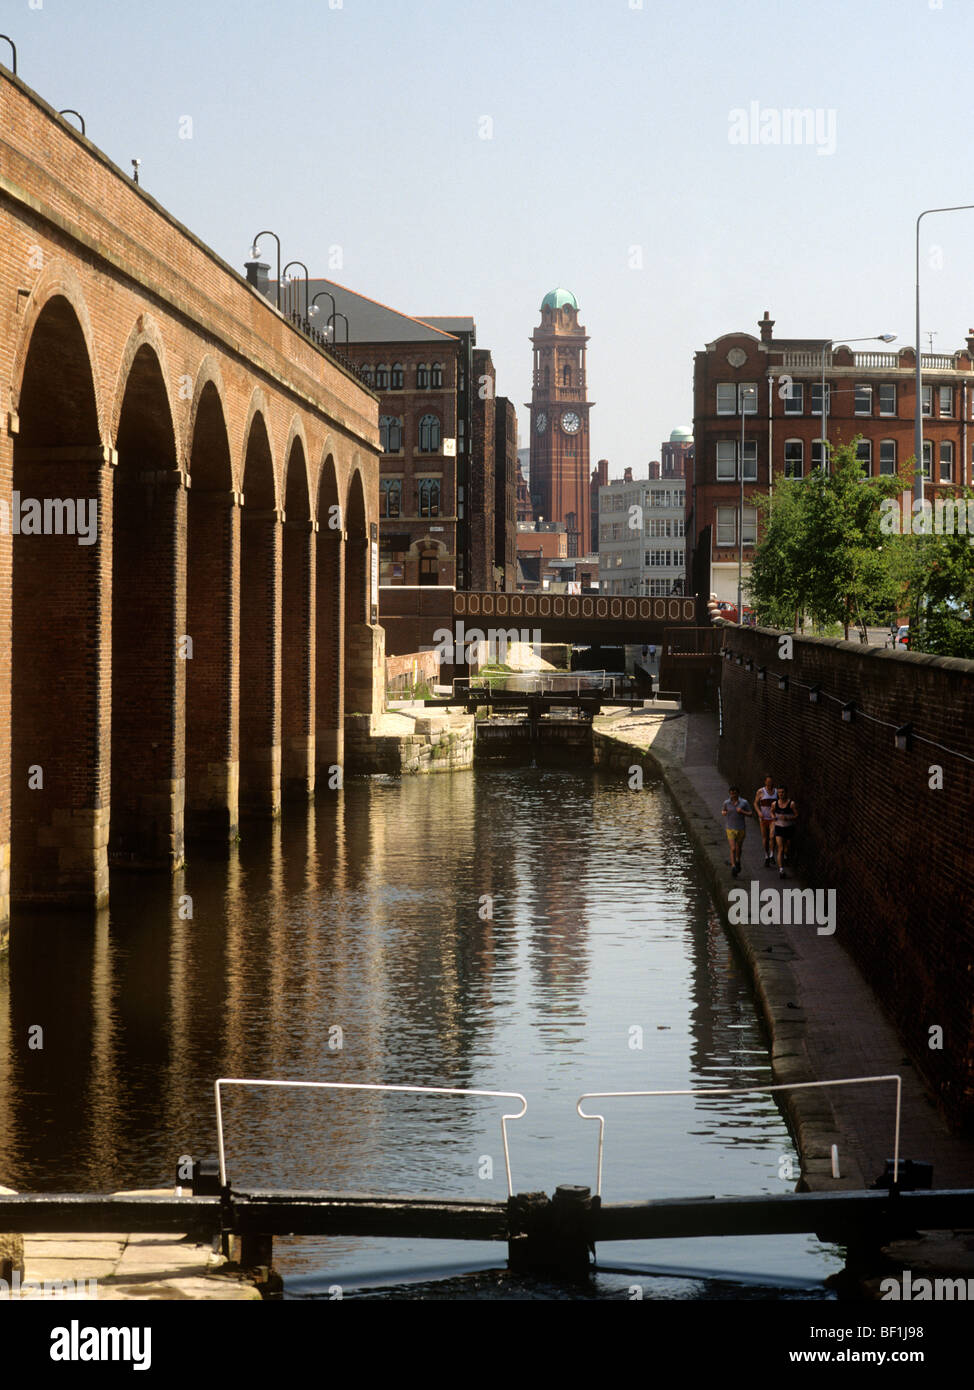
(192, 660)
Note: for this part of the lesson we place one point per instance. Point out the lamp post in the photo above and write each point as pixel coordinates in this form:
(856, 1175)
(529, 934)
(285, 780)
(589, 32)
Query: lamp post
(829, 343)
(918, 403)
(746, 393)
(305, 269)
(254, 253)
(70, 111)
(337, 314)
(322, 294)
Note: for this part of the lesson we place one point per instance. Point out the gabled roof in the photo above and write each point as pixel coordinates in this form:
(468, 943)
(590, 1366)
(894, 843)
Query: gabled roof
(451, 323)
(372, 322)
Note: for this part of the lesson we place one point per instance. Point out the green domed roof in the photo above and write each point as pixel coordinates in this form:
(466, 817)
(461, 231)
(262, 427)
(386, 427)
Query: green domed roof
(683, 434)
(557, 299)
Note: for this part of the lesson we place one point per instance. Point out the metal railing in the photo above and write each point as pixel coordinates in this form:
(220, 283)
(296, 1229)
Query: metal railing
(365, 1086)
(546, 682)
(744, 1091)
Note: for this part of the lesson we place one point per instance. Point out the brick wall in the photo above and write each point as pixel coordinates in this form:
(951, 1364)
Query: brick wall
(505, 491)
(146, 367)
(896, 849)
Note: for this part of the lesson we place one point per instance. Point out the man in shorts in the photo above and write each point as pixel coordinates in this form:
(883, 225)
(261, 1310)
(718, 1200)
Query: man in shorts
(764, 798)
(735, 809)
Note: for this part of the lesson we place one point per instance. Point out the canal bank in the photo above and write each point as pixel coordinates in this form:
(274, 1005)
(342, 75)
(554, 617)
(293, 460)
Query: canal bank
(118, 1266)
(822, 1018)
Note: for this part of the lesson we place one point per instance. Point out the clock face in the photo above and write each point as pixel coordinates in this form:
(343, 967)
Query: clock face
(541, 423)
(570, 422)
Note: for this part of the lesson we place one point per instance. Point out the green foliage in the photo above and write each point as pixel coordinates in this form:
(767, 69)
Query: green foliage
(938, 572)
(822, 553)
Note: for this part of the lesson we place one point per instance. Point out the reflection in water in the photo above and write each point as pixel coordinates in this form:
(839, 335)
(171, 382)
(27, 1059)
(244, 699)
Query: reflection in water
(528, 929)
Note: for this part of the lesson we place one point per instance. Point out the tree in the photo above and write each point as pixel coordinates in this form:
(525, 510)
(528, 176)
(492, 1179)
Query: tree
(822, 553)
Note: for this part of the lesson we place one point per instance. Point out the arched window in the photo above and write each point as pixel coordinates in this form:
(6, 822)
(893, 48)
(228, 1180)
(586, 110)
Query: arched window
(368, 375)
(390, 496)
(429, 496)
(390, 433)
(437, 374)
(396, 383)
(547, 376)
(566, 375)
(423, 376)
(429, 434)
(382, 377)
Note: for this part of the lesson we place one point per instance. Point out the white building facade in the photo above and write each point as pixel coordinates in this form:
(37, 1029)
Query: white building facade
(642, 549)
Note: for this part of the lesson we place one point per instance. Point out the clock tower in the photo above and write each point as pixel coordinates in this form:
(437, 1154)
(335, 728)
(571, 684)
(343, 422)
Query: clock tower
(559, 420)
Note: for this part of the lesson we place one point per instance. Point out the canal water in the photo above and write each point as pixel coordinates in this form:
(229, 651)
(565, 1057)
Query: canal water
(532, 929)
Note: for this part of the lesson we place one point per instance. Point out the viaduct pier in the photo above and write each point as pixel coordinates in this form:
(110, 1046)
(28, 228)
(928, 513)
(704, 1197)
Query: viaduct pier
(188, 496)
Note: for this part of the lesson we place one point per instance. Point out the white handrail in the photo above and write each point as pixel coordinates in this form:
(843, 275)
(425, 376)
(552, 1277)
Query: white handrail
(366, 1086)
(744, 1091)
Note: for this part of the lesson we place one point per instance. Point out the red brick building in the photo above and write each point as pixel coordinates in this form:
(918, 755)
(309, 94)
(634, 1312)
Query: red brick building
(437, 487)
(772, 387)
(599, 478)
(505, 484)
(560, 473)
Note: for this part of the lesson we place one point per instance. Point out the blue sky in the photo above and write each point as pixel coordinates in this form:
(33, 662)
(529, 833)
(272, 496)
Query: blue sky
(609, 166)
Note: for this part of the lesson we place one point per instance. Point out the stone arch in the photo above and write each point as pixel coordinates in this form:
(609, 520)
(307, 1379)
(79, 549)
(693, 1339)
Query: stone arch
(58, 280)
(148, 619)
(212, 617)
(53, 635)
(145, 333)
(260, 623)
(297, 623)
(208, 373)
(258, 405)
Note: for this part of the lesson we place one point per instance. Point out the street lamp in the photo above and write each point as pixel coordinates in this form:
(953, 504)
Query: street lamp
(337, 314)
(830, 342)
(13, 50)
(305, 269)
(918, 403)
(322, 294)
(254, 255)
(746, 393)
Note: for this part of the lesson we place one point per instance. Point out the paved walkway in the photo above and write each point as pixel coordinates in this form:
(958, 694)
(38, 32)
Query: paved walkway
(830, 1025)
(119, 1266)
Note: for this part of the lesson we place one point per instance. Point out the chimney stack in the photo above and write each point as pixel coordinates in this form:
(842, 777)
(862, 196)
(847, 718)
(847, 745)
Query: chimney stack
(257, 276)
(766, 325)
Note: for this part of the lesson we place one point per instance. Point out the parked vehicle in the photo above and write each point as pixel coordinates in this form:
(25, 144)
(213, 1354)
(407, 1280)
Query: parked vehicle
(903, 636)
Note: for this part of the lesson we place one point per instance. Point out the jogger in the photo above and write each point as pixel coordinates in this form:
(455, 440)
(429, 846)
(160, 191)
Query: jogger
(785, 814)
(764, 799)
(735, 808)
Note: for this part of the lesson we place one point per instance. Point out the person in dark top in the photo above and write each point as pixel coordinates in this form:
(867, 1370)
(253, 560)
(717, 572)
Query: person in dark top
(785, 813)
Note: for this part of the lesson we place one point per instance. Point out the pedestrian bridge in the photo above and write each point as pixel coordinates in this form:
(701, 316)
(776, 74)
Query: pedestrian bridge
(598, 619)
(413, 616)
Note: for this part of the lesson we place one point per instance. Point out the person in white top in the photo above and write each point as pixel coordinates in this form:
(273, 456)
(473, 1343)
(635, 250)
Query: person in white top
(762, 801)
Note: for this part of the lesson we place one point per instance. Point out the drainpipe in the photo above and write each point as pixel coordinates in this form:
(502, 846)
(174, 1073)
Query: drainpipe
(770, 433)
(962, 472)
